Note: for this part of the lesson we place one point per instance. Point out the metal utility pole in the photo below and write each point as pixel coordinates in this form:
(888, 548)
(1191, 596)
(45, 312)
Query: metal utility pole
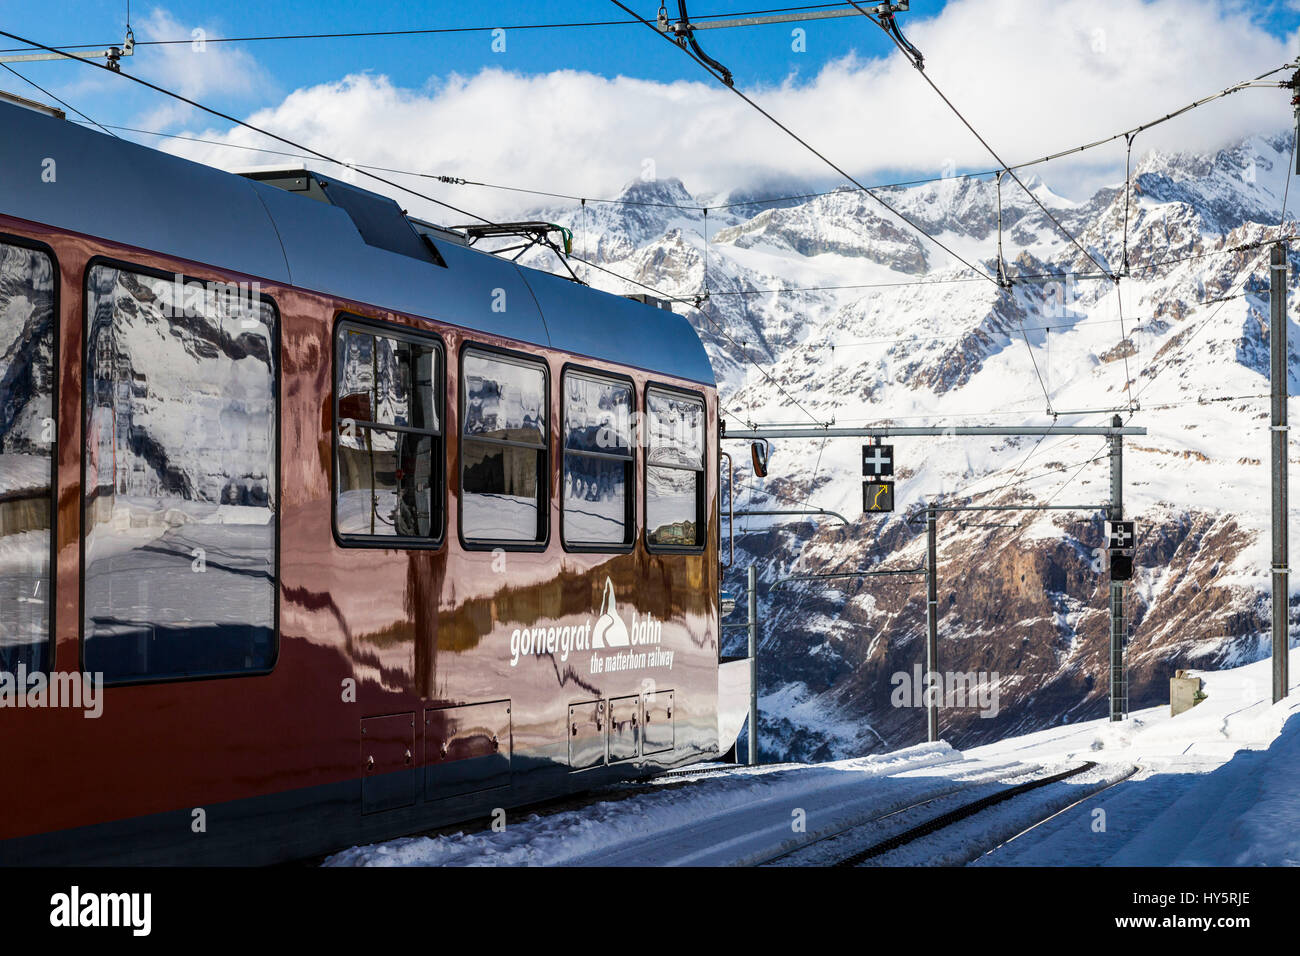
(752, 585)
(1118, 589)
(931, 628)
(1278, 371)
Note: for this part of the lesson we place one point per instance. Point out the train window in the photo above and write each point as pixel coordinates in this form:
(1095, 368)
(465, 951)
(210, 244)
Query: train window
(597, 461)
(503, 449)
(181, 480)
(388, 435)
(27, 436)
(674, 475)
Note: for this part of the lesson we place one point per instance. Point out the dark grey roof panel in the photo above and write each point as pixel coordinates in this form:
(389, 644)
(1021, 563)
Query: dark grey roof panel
(379, 219)
(327, 254)
(130, 194)
(601, 325)
(125, 193)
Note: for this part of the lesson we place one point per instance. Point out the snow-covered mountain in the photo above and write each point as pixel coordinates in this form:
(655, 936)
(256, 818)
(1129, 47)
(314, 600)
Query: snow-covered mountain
(886, 328)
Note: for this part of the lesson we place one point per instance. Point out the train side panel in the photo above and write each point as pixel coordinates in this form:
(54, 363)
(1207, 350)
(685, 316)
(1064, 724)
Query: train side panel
(408, 687)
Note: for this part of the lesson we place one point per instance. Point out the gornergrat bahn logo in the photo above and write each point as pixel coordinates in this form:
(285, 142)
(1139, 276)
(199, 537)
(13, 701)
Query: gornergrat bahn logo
(607, 632)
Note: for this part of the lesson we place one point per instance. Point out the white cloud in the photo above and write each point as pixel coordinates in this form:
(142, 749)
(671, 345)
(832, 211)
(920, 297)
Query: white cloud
(1032, 77)
(199, 70)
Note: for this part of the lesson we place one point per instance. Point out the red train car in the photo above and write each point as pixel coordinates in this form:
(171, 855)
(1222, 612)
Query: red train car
(318, 527)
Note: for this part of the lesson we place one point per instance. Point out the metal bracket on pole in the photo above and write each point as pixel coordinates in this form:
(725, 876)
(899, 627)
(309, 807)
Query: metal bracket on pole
(905, 431)
(1003, 281)
(667, 26)
(783, 512)
(112, 55)
(837, 575)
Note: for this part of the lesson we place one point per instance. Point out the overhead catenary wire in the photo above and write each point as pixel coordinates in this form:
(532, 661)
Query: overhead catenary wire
(427, 31)
(1286, 193)
(1025, 525)
(450, 180)
(238, 122)
(454, 180)
(327, 158)
(459, 181)
(983, 142)
(398, 186)
(969, 492)
(1104, 453)
(1032, 452)
(790, 290)
(1187, 340)
(438, 177)
(806, 145)
(1037, 372)
(1191, 334)
(63, 103)
(1051, 157)
(699, 307)
(911, 53)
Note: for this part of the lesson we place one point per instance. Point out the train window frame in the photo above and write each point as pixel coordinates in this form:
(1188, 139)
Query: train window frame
(277, 386)
(343, 321)
(629, 543)
(701, 491)
(545, 468)
(56, 355)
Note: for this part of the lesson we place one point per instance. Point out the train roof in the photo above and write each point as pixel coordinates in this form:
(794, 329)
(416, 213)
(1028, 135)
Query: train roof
(61, 174)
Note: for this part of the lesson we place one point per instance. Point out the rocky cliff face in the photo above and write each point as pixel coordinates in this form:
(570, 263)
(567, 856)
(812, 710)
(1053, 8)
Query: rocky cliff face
(860, 321)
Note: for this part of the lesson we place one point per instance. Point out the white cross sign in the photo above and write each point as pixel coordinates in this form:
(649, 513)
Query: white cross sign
(877, 460)
(1120, 535)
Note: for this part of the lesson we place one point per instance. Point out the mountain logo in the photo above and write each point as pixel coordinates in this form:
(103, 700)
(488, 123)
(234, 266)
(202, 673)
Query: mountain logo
(641, 634)
(610, 631)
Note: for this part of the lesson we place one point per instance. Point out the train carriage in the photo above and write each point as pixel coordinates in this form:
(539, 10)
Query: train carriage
(318, 527)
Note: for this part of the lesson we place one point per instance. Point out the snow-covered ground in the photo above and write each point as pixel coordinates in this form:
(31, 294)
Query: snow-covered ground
(1218, 785)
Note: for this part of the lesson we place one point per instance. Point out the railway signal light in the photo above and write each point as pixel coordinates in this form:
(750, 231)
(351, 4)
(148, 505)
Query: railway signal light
(877, 461)
(1121, 542)
(878, 496)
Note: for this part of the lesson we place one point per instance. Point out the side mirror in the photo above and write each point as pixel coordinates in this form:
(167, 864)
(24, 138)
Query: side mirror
(758, 452)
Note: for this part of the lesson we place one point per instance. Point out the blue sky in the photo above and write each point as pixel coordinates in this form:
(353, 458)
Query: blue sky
(551, 111)
(755, 54)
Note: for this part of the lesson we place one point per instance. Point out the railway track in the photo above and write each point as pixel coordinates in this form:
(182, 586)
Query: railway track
(605, 793)
(1114, 783)
(860, 839)
(812, 852)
